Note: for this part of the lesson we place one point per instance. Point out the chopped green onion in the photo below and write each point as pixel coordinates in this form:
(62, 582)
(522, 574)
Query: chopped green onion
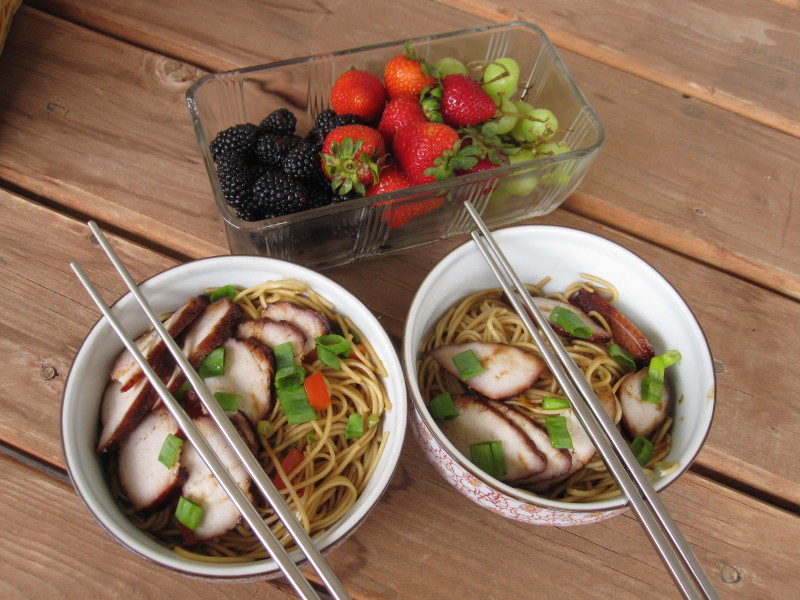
(670, 357)
(330, 347)
(549, 403)
(188, 513)
(467, 364)
(228, 402)
(489, 458)
(354, 427)
(311, 437)
(265, 428)
(169, 450)
(442, 407)
(651, 389)
(621, 356)
(642, 449)
(296, 406)
(226, 291)
(289, 377)
(354, 335)
(284, 355)
(372, 421)
(181, 391)
(570, 322)
(656, 368)
(558, 432)
(213, 364)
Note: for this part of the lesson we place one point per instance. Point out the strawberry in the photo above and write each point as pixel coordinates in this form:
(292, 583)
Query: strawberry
(431, 151)
(483, 164)
(400, 112)
(464, 102)
(351, 156)
(407, 74)
(359, 93)
(391, 179)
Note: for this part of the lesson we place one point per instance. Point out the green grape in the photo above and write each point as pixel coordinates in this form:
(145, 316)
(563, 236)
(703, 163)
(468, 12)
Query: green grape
(501, 78)
(524, 182)
(547, 117)
(449, 65)
(507, 122)
(557, 176)
(551, 149)
(539, 124)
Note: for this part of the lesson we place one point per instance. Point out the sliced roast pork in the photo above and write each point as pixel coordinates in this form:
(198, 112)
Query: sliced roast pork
(640, 417)
(307, 320)
(546, 306)
(201, 487)
(625, 333)
(249, 370)
(478, 421)
(149, 483)
(127, 371)
(120, 412)
(274, 333)
(507, 370)
(559, 460)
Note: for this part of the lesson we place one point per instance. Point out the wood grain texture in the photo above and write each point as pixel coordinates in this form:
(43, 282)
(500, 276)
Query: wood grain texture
(750, 50)
(672, 170)
(411, 547)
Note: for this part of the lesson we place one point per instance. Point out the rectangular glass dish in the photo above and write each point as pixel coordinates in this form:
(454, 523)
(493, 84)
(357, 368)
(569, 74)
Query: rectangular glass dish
(359, 228)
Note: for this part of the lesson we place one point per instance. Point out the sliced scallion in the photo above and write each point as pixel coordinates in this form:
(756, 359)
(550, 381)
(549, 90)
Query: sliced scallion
(651, 389)
(467, 364)
(570, 322)
(228, 402)
(169, 450)
(549, 403)
(312, 437)
(642, 449)
(330, 347)
(188, 513)
(213, 364)
(621, 356)
(296, 406)
(489, 458)
(289, 377)
(442, 407)
(354, 427)
(226, 291)
(372, 421)
(558, 432)
(284, 355)
(265, 428)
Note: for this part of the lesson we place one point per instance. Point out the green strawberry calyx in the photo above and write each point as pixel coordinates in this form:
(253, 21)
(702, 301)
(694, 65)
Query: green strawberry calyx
(457, 158)
(348, 167)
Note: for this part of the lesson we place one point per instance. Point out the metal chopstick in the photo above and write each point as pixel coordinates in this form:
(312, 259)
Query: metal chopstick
(243, 453)
(664, 534)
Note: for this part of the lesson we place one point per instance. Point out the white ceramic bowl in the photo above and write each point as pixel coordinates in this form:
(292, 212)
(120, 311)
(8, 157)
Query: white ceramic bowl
(166, 291)
(646, 298)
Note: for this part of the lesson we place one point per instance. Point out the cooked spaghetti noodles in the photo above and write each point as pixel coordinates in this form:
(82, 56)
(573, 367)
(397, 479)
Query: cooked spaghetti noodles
(334, 470)
(486, 316)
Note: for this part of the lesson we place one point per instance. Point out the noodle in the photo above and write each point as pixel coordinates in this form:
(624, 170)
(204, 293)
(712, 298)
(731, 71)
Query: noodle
(334, 470)
(485, 316)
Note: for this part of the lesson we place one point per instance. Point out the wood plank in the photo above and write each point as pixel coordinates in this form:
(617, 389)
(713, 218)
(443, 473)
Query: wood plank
(693, 191)
(748, 548)
(758, 412)
(750, 50)
(51, 547)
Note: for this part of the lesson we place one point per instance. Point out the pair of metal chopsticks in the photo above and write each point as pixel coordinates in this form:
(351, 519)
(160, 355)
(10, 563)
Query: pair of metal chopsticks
(667, 539)
(301, 585)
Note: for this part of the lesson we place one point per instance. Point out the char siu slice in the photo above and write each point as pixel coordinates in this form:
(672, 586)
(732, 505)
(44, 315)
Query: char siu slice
(120, 412)
(546, 306)
(274, 333)
(638, 416)
(307, 320)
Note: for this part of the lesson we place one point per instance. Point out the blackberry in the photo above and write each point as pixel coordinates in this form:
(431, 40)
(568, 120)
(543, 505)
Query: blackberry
(236, 178)
(277, 194)
(303, 161)
(327, 121)
(281, 122)
(271, 148)
(234, 142)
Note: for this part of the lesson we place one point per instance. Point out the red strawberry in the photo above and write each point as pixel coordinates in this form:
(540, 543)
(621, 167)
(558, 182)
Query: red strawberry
(391, 179)
(407, 74)
(483, 164)
(359, 93)
(351, 156)
(400, 112)
(464, 102)
(431, 151)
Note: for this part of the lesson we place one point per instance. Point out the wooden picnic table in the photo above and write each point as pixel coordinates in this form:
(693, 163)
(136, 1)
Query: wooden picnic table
(700, 175)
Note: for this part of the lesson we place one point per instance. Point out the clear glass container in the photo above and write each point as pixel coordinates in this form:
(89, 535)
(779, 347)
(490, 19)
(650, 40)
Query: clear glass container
(359, 228)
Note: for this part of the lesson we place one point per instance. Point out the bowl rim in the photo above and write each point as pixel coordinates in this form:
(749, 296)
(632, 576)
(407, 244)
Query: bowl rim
(409, 355)
(138, 542)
